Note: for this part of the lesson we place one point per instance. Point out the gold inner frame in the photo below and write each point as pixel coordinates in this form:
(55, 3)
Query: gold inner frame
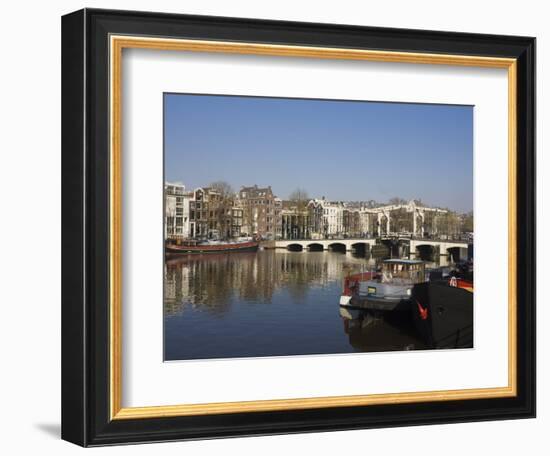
(117, 44)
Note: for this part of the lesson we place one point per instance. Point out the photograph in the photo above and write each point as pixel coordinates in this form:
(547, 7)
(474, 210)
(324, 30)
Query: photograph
(316, 226)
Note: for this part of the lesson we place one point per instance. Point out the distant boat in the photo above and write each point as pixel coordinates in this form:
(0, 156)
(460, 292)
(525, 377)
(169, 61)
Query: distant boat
(189, 247)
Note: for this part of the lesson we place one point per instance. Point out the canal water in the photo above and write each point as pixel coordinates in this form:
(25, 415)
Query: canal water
(270, 303)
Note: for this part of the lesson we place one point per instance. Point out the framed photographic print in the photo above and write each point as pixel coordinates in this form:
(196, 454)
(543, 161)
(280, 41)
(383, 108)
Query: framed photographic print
(279, 227)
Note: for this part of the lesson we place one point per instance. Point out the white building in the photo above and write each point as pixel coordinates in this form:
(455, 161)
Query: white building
(333, 218)
(176, 211)
(365, 220)
(328, 218)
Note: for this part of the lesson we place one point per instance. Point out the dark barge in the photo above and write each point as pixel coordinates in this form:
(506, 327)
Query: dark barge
(443, 313)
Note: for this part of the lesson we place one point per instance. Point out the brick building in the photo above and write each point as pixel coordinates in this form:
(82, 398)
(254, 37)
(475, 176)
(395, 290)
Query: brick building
(259, 211)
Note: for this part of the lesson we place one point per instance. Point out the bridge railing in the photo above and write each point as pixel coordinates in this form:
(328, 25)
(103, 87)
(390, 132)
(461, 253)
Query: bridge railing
(426, 238)
(400, 237)
(313, 241)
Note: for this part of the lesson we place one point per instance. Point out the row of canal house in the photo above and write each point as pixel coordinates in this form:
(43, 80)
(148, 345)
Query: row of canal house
(335, 219)
(201, 213)
(207, 212)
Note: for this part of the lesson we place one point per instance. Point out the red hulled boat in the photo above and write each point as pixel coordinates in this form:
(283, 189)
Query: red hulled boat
(188, 247)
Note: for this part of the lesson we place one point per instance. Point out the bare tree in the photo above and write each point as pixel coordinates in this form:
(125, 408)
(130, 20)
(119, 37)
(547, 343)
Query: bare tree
(222, 207)
(397, 201)
(300, 197)
(468, 222)
(401, 220)
(223, 188)
(372, 204)
(449, 223)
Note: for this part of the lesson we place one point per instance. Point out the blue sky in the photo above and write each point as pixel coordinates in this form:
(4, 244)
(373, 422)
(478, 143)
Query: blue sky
(343, 150)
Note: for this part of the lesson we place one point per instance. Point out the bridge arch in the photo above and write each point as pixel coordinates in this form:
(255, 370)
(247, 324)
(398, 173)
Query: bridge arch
(360, 248)
(337, 247)
(426, 252)
(315, 247)
(458, 253)
(295, 247)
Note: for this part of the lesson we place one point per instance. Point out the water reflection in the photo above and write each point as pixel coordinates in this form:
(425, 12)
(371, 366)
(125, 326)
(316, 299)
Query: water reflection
(368, 332)
(268, 303)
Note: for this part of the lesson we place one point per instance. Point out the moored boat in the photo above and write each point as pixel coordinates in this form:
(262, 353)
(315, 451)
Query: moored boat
(388, 290)
(351, 285)
(189, 247)
(443, 313)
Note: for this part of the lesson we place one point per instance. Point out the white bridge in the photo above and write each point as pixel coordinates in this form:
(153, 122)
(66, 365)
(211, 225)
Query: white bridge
(318, 245)
(443, 247)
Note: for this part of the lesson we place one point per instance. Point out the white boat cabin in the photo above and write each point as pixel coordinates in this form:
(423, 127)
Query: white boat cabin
(400, 271)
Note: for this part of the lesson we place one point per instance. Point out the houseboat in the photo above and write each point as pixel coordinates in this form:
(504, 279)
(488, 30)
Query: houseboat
(386, 290)
(443, 313)
(194, 246)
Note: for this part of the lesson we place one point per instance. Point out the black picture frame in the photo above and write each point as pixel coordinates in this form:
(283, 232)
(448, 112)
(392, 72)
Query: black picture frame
(85, 225)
